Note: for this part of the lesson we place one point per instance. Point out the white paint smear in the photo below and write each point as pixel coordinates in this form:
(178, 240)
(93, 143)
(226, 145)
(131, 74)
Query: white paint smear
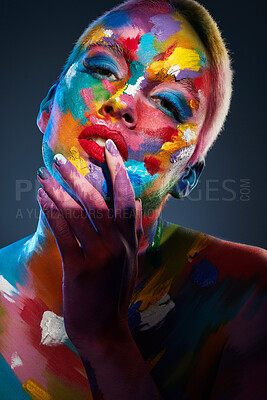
(53, 329)
(7, 289)
(108, 32)
(131, 90)
(70, 74)
(156, 314)
(188, 135)
(174, 70)
(16, 361)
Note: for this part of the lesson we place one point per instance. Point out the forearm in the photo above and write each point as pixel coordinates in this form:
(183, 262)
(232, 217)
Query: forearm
(118, 371)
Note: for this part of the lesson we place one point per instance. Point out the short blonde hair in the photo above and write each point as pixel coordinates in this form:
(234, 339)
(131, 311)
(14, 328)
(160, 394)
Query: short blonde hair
(220, 72)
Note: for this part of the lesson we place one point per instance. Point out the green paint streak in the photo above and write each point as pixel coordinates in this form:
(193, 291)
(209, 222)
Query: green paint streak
(100, 93)
(137, 71)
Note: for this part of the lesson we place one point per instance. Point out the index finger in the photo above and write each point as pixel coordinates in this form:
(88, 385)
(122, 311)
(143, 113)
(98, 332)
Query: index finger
(124, 196)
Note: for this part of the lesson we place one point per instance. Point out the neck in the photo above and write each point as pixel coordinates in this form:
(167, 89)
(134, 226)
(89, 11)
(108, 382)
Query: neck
(46, 265)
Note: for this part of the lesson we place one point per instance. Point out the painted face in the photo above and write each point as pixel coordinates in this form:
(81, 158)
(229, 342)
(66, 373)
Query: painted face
(138, 80)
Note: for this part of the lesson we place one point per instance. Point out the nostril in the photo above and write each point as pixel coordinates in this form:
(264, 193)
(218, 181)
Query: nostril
(108, 109)
(128, 118)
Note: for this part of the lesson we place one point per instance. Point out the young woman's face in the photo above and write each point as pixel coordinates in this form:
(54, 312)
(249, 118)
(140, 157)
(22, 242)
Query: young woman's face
(139, 80)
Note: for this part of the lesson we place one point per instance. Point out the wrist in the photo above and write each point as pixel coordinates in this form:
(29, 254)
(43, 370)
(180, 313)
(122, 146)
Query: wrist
(104, 345)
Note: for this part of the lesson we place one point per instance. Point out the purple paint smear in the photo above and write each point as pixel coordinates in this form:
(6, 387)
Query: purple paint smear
(187, 73)
(164, 26)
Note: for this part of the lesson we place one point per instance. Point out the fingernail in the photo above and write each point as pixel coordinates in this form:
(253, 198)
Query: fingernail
(60, 159)
(42, 193)
(111, 147)
(43, 173)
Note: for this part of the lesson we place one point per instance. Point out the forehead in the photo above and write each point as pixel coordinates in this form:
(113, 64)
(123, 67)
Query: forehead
(162, 40)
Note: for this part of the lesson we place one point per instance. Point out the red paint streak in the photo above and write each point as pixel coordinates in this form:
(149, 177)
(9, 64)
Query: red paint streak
(150, 219)
(87, 96)
(236, 260)
(43, 120)
(166, 134)
(203, 82)
(96, 151)
(109, 86)
(152, 164)
(61, 361)
(167, 53)
(131, 44)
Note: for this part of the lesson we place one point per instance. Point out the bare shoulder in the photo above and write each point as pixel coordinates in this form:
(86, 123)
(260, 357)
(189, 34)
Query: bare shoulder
(242, 258)
(13, 265)
(14, 250)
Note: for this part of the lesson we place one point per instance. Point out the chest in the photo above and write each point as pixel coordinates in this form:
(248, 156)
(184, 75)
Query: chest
(37, 357)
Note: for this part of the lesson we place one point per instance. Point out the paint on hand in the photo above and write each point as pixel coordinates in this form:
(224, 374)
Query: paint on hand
(78, 161)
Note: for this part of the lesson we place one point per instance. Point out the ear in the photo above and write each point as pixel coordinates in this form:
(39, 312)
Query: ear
(188, 180)
(45, 109)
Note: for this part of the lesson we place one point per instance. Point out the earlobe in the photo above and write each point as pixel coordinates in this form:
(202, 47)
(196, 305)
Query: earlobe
(188, 180)
(45, 109)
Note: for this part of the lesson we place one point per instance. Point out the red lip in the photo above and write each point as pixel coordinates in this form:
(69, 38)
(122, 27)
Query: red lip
(96, 151)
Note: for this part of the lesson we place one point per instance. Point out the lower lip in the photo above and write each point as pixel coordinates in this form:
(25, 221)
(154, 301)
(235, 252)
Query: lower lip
(93, 149)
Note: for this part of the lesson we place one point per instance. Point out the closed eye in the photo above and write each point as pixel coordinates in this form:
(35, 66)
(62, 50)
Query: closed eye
(103, 72)
(101, 68)
(173, 105)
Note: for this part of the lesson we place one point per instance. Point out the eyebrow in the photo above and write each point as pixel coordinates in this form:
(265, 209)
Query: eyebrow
(189, 85)
(116, 48)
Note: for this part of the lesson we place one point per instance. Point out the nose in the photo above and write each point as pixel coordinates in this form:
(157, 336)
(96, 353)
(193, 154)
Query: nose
(123, 110)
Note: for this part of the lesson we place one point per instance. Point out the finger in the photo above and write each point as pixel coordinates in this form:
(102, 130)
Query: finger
(139, 226)
(92, 201)
(124, 197)
(67, 244)
(73, 213)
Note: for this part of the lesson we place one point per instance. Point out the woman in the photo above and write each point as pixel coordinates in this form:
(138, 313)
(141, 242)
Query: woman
(151, 310)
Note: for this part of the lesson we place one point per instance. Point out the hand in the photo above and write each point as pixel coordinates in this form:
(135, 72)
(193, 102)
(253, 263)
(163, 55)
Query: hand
(98, 248)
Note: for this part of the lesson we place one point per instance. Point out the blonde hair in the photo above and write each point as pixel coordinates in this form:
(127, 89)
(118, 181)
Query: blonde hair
(220, 72)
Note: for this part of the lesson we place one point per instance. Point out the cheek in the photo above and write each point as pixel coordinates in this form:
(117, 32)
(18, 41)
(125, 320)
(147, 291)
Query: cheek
(151, 119)
(81, 94)
(172, 150)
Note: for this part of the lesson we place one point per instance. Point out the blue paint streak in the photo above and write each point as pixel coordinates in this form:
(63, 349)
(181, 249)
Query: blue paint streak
(205, 274)
(12, 265)
(146, 51)
(134, 317)
(117, 19)
(10, 386)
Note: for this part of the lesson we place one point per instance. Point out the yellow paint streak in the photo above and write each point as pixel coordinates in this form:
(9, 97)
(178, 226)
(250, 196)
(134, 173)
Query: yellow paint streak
(194, 104)
(35, 390)
(185, 58)
(199, 244)
(78, 161)
(65, 390)
(151, 362)
(94, 35)
(177, 143)
(42, 279)
(153, 291)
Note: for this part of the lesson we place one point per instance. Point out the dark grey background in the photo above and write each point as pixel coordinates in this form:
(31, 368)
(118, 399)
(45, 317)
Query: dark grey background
(36, 38)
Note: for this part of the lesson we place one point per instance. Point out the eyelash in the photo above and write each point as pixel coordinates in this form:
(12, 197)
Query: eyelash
(170, 108)
(100, 71)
